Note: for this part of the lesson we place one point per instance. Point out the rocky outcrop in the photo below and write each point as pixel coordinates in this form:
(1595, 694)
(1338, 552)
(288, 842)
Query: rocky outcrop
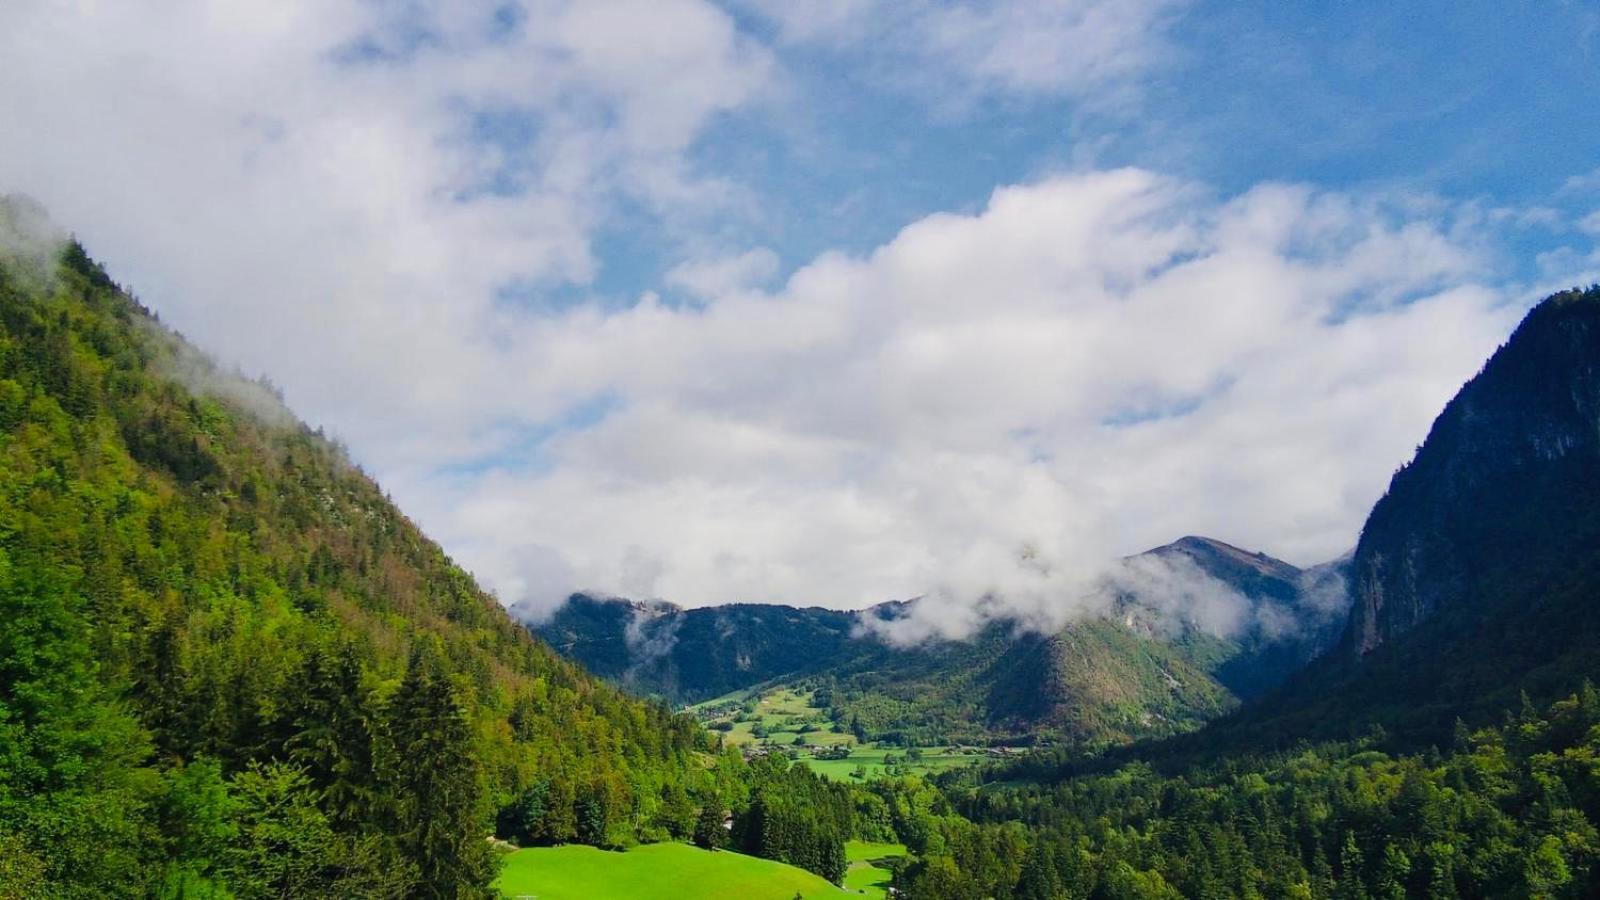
(1501, 485)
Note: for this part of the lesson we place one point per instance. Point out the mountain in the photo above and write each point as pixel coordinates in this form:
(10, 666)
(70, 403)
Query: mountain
(1502, 490)
(1475, 579)
(229, 666)
(1150, 664)
(691, 655)
(1446, 748)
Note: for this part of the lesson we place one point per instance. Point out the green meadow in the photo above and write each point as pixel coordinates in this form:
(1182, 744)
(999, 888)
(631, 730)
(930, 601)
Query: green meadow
(867, 875)
(775, 717)
(665, 871)
(871, 759)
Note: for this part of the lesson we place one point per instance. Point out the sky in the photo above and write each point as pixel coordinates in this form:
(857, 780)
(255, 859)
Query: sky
(835, 302)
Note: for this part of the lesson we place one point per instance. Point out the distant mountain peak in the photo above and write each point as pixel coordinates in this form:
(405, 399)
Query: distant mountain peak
(1251, 573)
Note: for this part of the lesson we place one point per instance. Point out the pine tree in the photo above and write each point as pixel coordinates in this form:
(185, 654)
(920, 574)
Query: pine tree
(441, 827)
(1351, 875)
(708, 831)
(1039, 879)
(1392, 874)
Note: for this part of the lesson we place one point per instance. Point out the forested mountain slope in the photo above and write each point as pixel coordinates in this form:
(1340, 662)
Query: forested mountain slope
(1502, 492)
(1138, 668)
(1452, 749)
(1477, 577)
(227, 662)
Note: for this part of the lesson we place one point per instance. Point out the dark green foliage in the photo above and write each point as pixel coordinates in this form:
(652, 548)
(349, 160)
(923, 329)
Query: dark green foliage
(796, 817)
(1510, 813)
(439, 798)
(708, 831)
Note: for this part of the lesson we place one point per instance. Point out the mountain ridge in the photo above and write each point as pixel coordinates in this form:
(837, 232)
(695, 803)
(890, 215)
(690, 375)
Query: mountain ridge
(1139, 668)
(1534, 404)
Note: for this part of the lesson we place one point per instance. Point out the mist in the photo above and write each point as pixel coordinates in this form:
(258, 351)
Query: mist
(205, 377)
(1159, 596)
(29, 238)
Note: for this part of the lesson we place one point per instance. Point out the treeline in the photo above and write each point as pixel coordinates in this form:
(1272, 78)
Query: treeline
(1509, 811)
(228, 665)
(795, 816)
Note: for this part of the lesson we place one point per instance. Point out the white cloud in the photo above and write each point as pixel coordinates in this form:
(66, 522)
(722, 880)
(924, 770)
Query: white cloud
(1081, 48)
(1093, 365)
(336, 194)
(1586, 183)
(714, 277)
(318, 188)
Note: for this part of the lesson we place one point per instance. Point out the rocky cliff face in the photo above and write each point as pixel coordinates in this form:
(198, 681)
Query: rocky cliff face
(1502, 488)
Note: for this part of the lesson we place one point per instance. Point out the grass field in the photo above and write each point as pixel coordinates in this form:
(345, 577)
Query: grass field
(784, 713)
(934, 759)
(787, 713)
(864, 875)
(665, 871)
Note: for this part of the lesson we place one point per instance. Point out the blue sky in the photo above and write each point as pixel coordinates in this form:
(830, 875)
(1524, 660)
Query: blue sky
(1481, 101)
(841, 301)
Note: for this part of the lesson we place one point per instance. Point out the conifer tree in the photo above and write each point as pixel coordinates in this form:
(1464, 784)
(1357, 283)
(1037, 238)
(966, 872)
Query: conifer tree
(441, 825)
(708, 831)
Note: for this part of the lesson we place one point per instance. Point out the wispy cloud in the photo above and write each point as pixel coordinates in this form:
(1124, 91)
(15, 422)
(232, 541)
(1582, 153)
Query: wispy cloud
(1079, 48)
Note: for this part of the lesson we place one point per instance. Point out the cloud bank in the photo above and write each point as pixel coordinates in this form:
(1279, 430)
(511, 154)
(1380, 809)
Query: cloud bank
(997, 404)
(413, 218)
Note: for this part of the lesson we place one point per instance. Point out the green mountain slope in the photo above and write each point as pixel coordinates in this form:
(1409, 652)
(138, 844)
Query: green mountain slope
(1447, 749)
(1476, 576)
(1139, 670)
(227, 660)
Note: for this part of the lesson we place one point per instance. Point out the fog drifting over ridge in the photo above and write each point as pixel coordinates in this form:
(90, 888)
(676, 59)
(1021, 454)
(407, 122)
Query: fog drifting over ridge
(1159, 595)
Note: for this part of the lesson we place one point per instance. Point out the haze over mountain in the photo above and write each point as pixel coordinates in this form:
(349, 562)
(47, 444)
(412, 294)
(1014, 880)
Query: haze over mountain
(1475, 578)
(1483, 546)
(1174, 636)
(1447, 746)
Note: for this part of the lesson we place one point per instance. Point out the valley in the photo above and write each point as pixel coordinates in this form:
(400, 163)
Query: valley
(788, 721)
(1142, 666)
(232, 668)
(833, 450)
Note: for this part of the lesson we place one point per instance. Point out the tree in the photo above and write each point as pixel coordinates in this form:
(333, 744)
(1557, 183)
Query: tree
(1039, 879)
(522, 820)
(284, 842)
(1392, 874)
(330, 734)
(284, 846)
(1545, 871)
(593, 815)
(677, 814)
(440, 801)
(197, 818)
(1351, 875)
(709, 833)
